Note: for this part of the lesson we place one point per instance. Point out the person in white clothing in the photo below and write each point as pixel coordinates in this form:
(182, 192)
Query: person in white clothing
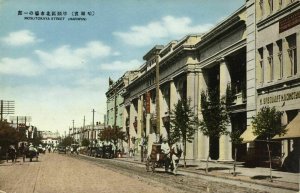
(165, 150)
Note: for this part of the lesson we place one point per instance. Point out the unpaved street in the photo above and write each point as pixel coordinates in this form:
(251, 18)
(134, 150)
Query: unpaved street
(64, 174)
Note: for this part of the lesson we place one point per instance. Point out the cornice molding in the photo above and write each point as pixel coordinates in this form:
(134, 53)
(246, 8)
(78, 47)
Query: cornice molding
(271, 19)
(223, 53)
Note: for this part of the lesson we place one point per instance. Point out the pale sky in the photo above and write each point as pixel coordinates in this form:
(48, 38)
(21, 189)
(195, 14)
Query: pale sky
(57, 71)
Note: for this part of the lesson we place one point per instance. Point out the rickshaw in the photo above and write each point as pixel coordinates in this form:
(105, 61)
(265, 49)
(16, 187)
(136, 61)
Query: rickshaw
(108, 151)
(31, 154)
(157, 159)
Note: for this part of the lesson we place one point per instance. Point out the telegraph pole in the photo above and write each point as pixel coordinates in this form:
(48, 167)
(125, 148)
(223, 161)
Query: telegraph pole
(6, 107)
(93, 125)
(115, 105)
(157, 98)
(83, 129)
(72, 127)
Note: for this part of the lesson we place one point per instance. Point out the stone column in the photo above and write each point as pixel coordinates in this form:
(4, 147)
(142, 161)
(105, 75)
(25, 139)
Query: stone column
(203, 141)
(148, 115)
(140, 116)
(225, 148)
(140, 127)
(160, 114)
(173, 95)
(131, 121)
(190, 93)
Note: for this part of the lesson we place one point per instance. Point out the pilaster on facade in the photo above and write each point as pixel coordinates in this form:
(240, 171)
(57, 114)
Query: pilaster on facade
(251, 59)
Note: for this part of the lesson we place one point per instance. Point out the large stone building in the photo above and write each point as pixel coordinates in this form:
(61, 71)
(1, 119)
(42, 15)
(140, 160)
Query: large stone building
(226, 55)
(277, 63)
(90, 132)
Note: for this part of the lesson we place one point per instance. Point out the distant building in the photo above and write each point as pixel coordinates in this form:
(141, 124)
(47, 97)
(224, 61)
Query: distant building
(50, 138)
(89, 132)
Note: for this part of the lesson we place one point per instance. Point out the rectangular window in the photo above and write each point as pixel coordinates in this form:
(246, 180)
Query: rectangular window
(280, 58)
(292, 51)
(270, 61)
(261, 5)
(271, 5)
(261, 62)
(293, 57)
(280, 3)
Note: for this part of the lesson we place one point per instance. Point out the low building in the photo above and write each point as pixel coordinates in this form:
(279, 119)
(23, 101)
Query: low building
(50, 138)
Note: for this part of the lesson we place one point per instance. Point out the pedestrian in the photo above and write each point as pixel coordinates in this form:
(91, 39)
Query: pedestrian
(165, 150)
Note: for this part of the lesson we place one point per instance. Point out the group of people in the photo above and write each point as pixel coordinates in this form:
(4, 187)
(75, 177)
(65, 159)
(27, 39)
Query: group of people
(23, 150)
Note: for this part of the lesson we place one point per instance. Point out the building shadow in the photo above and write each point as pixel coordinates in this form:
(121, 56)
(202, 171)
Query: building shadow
(210, 169)
(263, 177)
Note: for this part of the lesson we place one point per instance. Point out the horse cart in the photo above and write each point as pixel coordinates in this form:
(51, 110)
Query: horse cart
(108, 151)
(31, 154)
(157, 159)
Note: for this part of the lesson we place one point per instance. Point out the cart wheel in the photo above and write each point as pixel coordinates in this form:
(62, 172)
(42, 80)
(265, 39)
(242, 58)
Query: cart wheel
(148, 165)
(153, 167)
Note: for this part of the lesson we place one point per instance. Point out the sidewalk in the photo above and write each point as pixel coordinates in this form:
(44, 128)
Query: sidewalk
(256, 175)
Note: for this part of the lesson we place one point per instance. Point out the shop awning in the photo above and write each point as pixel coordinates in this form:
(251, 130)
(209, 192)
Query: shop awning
(293, 129)
(248, 135)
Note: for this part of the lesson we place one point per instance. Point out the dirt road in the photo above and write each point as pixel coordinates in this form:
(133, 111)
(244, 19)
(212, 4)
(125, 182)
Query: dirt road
(63, 174)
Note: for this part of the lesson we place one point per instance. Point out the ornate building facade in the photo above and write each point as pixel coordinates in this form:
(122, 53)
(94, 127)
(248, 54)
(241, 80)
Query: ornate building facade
(278, 68)
(254, 51)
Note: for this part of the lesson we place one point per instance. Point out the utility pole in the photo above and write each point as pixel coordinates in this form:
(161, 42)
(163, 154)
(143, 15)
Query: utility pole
(6, 108)
(1, 110)
(73, 130)
(115, 118)
(93, 125)
(73, 127)
(115, 107)
(83, 128)
(157, 98)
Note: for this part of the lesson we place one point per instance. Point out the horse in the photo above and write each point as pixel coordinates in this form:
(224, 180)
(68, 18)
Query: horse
(11, 154)
(176, 152)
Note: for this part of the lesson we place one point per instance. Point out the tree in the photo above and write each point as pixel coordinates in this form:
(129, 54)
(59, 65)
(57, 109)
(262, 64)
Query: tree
(67, 141)
(235, 140)
(266, 125)
(8, 135)
(36, 137)
(112, 134)
(85, 142)
(183, 124)
(215, 117)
